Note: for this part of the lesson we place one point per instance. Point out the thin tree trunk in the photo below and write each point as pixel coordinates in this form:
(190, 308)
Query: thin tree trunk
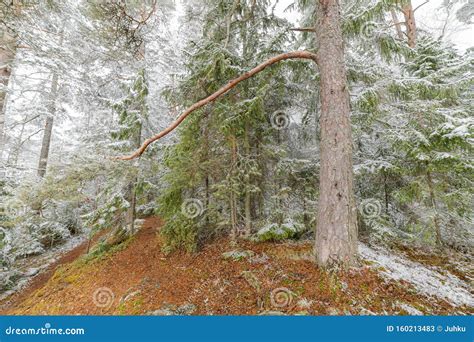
(233, 201)
(248, 199)
(336, 234)
(397, 24)
(439, 239)
(207, 180)
(208, 199)
(305, 213)
(132, 195)
(410, 24)
(385, 189)
(122, 232)
(131, 214)
(7, 54)
(279, 187)
(48, 128)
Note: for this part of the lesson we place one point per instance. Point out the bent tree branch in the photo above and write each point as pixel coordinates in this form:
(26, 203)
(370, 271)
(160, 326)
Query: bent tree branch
(214, 96)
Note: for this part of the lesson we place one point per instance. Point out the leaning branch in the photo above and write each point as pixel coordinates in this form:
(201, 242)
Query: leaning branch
(421, 5)
(303, 29)
(213, 97)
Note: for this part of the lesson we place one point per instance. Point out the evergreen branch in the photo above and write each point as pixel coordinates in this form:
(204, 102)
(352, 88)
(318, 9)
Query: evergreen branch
(214, 96)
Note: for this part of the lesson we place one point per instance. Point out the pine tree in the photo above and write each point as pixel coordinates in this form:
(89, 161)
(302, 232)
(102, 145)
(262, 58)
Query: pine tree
(221, 177)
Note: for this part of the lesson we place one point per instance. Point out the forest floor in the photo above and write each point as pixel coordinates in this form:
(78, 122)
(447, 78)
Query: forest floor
(137, 278)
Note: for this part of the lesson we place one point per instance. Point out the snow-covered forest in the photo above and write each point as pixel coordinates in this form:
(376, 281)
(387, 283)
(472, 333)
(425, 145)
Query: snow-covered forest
(236, 157)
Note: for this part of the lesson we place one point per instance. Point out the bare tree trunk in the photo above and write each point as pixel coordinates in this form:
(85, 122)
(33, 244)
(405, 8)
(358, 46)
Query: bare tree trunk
(248, 199)
(7, 54)
(132, 196)
(130, 215)
(336, 234)
(410, 24)
(385, 190)
(233, 200)
(48, 128)
(397, 24)
(439, 239)
(207, 178)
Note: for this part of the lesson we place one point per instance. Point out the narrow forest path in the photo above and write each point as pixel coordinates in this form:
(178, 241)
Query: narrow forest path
(138, 278)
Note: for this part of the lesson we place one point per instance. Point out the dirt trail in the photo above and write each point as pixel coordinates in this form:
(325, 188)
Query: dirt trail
(139, 278)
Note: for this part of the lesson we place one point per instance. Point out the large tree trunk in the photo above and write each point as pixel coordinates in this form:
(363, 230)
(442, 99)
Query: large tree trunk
(336, 234)
(48, 128)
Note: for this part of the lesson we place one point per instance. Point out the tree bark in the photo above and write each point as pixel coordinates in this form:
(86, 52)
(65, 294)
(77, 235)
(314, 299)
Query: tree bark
(410, 24)
(132, 195)
(7, 54)
(214, 96)
(336, 234)
(397, 24)
(248, 198)
(207, 177)
(130, 214)
(48, 127)
(233, 200)
(434, 205)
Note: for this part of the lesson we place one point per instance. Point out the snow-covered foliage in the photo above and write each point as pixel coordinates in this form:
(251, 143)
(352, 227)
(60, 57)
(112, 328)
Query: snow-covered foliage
(247, 164)
(278, 232)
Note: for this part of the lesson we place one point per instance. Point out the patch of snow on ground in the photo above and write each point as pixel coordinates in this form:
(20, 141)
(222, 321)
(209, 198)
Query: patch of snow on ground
(32, 266)
(410, 309)
(424, 279)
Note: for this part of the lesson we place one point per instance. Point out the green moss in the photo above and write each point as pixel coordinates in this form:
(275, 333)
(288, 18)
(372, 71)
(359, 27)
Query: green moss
(277, 232)
(72, 278)
(237, 255)
(104, 250)
(131, 307)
